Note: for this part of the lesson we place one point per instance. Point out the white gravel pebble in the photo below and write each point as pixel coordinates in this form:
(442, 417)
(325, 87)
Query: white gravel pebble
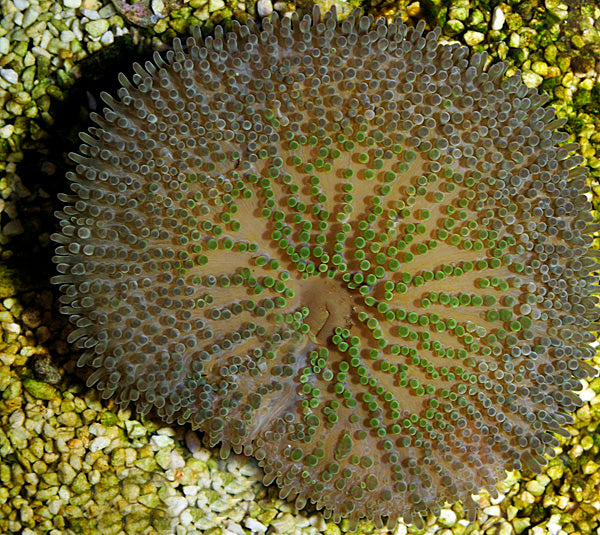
(16, 418)
(473, 38)
(31, 16)
(531, 79)
(186, 518)
(4, 45)
(10, 75)
(254, 525)
(13, 328)
(90, 14)
(190, 490)
(447, 518)
(97, 429)
(94, 477)
(21, 4)
(161, 441)
(498, 19)
(72, 4)
(64, 493)
(54, 506)
(284, 523)
(587, 395)
(6, 131)
(176, 505)
(264, 8)
(107, 38)
(99, 443)
(43, 44)
(215, 5)
(67, 36)
(553, 525)
(134, 429)
(494, 510)
(76, 29)
(176, 461)
(107, 11)
(232, 527)
(158, 7)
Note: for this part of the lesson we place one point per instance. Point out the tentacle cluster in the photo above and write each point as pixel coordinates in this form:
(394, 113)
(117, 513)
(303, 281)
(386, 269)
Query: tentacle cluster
(339, 247)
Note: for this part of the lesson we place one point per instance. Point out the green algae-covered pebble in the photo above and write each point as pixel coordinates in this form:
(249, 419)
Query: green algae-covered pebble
(39, 390)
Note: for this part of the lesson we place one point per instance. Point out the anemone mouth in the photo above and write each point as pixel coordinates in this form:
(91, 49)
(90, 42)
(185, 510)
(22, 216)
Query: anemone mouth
(331, 307)
(339, 247)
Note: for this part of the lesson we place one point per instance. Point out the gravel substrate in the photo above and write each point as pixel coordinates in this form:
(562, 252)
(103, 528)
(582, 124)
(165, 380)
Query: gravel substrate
(72, 463)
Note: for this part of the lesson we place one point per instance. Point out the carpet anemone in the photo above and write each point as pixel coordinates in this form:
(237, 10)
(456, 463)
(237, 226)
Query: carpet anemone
(353, 253)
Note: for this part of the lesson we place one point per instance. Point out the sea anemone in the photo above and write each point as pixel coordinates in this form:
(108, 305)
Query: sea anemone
(339, 247)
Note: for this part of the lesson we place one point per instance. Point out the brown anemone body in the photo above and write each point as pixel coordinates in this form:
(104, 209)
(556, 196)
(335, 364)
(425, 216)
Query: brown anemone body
(339, 247)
